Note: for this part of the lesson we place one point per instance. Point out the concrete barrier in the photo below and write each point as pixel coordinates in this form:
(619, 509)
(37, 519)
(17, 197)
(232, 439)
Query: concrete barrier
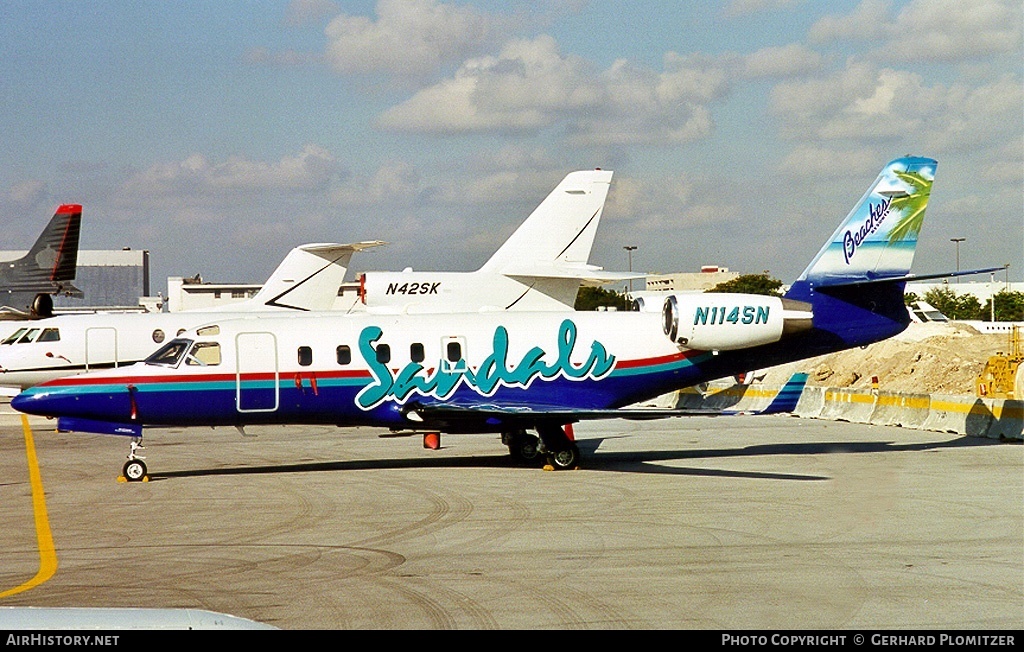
(853, 405)
(963, 415)
(811, 403)
(896, 409)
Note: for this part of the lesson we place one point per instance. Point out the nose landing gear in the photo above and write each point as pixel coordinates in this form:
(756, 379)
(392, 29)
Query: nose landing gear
(134, 470)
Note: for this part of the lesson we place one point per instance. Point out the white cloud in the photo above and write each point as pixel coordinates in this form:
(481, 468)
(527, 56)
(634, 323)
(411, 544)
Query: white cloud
(869, 21)
(531, 85)
(865, 104)
(310, 170)
(525, 87)
(396, 183)
(782, 61)
(408, 38)
(929, 30)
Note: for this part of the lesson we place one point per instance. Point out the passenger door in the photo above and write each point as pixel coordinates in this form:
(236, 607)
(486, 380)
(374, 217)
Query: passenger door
(256, 376)
(100, 347)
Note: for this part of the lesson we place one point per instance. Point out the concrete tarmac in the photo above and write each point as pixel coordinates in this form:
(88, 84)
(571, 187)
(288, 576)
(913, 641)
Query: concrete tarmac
(770, 522)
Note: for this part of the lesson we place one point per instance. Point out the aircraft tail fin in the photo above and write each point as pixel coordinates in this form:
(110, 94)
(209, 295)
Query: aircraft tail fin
(53, 259)
(878, 238)
(307, 279)
(561, 230)
(854, 285)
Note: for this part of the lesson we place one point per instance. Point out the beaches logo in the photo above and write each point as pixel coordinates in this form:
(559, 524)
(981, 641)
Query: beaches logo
(853, 239)
(492, 373)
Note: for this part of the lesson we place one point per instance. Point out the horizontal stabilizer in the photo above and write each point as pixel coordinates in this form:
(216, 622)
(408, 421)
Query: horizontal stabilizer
(909, 278)
(75, 424)
(582, 274)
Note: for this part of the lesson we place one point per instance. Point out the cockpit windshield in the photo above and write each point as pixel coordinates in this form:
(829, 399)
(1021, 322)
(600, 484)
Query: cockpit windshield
(30, 336)
(11, 339)
(170, 354)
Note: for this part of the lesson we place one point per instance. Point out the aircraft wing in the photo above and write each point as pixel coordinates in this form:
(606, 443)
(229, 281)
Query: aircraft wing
(586, 274)
(456, 416)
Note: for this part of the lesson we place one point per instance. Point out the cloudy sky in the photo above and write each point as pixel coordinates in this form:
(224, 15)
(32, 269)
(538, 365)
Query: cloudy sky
(218, 135)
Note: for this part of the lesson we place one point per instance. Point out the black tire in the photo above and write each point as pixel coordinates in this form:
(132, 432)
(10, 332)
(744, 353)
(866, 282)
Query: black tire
(566, 458)
(524, 448)
(134, 470)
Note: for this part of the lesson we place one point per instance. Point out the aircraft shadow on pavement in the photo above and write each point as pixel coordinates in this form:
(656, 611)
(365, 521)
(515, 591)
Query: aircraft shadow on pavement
(646, 462)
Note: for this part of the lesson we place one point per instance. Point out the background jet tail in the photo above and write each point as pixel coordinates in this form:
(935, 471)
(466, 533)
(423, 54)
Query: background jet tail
(54, 256)
(878, 238)
(561, 230)
(28, 283)
(307, 279)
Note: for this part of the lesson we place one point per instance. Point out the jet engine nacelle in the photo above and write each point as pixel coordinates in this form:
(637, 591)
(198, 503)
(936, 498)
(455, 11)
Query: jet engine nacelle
(42, 306)
(723, 322)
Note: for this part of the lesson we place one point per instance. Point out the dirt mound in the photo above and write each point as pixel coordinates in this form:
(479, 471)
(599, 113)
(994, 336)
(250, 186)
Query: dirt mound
(931, 358)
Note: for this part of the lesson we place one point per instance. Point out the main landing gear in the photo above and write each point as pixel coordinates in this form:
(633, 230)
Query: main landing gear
(554, 446)
(134, 470)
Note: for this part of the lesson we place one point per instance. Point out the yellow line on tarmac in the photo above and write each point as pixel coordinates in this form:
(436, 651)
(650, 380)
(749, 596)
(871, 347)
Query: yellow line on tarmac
(47, 552)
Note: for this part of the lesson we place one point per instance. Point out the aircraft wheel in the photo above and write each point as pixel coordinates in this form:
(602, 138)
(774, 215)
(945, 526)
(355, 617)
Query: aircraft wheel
(524, 447)
(134, 470)
(567, 458)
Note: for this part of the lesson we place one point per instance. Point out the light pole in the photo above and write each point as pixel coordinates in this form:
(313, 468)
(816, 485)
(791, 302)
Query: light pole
(957, 241)
(629, 252)
(992, 296)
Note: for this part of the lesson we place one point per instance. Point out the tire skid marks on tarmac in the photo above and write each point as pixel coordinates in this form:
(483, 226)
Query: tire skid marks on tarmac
(443, 607)
(445, 511)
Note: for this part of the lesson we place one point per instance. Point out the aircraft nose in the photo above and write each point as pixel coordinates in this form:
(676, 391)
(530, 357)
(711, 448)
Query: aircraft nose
(40, 404)
(45, 401)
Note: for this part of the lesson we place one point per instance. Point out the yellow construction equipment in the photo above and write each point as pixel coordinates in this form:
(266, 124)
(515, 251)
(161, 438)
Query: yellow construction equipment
(1003, 375)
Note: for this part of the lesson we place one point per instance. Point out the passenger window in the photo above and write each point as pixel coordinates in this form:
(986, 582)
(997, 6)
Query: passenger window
(344, 355)
(204, 354)
(416, 352)
(305, 356)
(383, 353)
(49, 335)
(13, 337)
(158, 336)
(454, 351)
